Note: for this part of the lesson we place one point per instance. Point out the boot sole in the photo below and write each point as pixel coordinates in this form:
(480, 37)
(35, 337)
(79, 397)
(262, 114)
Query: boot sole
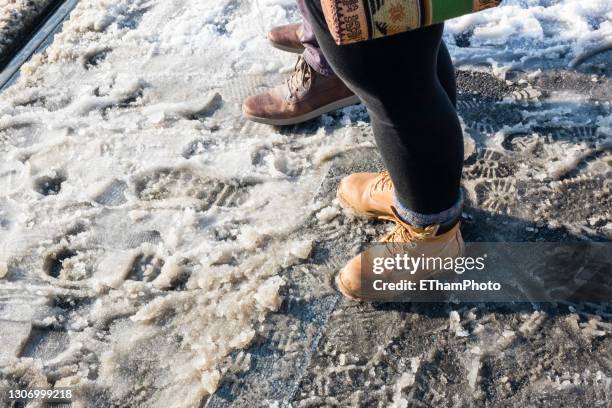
(286, 48)
(345, 204)
(342, 103)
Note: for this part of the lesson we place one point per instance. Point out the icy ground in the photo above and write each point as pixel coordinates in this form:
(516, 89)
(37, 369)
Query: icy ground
(16, 18)
(156, 248)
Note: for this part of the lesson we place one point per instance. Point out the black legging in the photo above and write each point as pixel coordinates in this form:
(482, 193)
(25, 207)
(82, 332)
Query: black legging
(399, 79)
(446, 74)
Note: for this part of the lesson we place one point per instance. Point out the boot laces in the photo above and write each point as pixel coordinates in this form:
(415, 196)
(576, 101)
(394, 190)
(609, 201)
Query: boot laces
(301, 77)
(383, 183)
(405, 233)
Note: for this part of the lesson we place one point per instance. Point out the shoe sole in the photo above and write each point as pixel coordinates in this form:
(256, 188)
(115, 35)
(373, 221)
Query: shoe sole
(342, 103)
(344, 204)
(286, 49)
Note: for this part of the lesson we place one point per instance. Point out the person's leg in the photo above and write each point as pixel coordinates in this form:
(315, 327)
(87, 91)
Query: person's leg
(323, 91)
(315, 58)
(415, 124)
(312, 53)
(447, 74)
(312, 90)
(419, 136)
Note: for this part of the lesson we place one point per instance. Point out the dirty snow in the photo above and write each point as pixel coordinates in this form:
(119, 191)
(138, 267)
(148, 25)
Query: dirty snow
(153, 241)
(521, 32)
(146, 228)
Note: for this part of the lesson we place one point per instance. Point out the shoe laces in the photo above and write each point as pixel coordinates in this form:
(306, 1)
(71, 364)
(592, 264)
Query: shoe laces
(302, 74)
(406, 233)
(382, 183)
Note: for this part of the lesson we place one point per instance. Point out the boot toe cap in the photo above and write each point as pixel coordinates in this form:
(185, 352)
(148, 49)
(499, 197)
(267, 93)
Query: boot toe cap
(348, 280)
(275, 36)
(351, 190)
(287, 35)
(261, 105)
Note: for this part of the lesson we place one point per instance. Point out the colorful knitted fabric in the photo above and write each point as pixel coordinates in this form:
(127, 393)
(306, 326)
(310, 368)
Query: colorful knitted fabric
(360, 20)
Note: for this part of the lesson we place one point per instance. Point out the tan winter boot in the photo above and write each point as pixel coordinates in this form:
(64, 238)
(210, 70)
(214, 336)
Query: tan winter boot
(426, 242)
(304, 96)
(368, 194)
(287, 38)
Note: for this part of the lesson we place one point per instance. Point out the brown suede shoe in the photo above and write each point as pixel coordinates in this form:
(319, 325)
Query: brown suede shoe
(287, 38)
(304, 96)
(368, 194)
(425, 242)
